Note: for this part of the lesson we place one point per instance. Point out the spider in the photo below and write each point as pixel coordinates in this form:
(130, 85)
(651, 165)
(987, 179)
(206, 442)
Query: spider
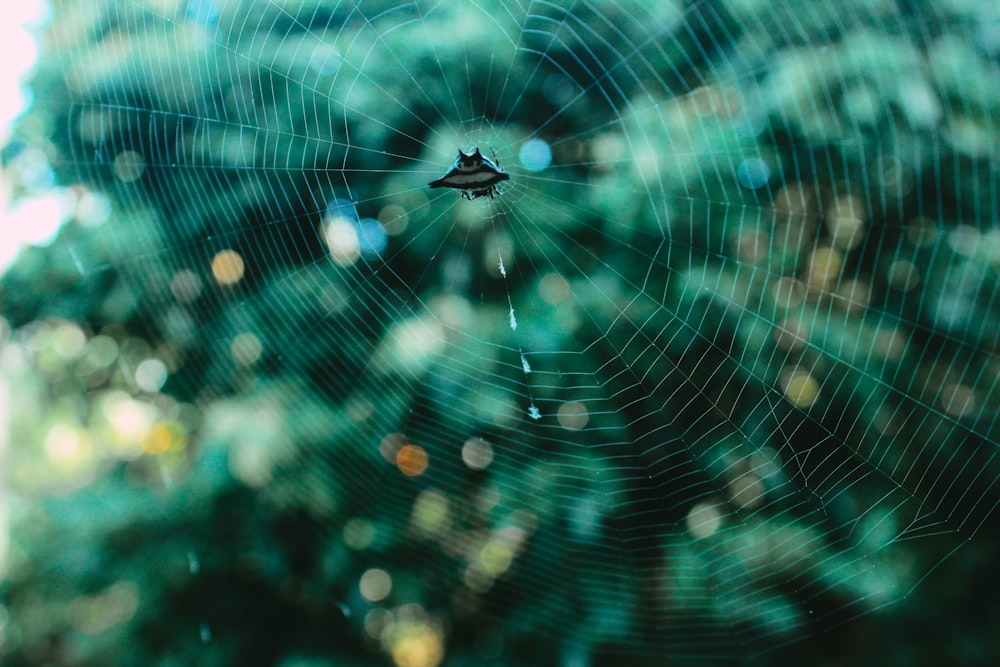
(473, 174)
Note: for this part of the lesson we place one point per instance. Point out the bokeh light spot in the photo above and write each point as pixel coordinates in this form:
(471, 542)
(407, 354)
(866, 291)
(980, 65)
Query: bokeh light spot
(608, 149)
(412, 344)
(372, 239)
(855, 294)
(411, 460)
(753, 173)
(151, 375)
(846, 222)
(390, 445)
(68, 341)
(535, 155)
(342, 241)
(964, 240)
(129, 166)
(101, 351)
(703, 520)
(67, 447)
(791, 334)
(553, 288)
(96, 614)
(246, 349)
(824, 267)
(129, 420)
(477, 454)
(477, 580)
(417, 644)
(325, 60)
(227, 267)
(185, 286)
(746, 491)
(359, 533)
(430, 512)
(903, 275)
(92, 209)
(496, 557)
(801, 389)
(377, 622)
(572, 415)
(958, 400)
(789, 293)
(165, 437)
(752, 246)
(375, 585)
(32, 220)
(394, 219)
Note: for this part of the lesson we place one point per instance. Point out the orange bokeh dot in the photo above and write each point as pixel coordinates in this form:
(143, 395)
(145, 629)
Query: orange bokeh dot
(411, 460)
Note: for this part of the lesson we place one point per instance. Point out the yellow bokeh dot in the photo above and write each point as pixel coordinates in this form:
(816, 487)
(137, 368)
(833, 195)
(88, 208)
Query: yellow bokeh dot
(824, 267)
(227, 267)
(157, 440)
(430, 512)
(801, 389)
(164, 437)
(417, 645)
(496, 557)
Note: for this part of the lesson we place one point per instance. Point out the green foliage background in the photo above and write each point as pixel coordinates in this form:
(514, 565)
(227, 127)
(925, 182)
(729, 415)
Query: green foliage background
(232, 523)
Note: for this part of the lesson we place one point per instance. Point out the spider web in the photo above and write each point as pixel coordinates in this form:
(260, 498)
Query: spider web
(715, 371)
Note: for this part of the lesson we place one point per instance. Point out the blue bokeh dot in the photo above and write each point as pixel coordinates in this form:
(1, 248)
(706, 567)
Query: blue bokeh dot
(753, 173)
(371, 237)
(535, 155)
